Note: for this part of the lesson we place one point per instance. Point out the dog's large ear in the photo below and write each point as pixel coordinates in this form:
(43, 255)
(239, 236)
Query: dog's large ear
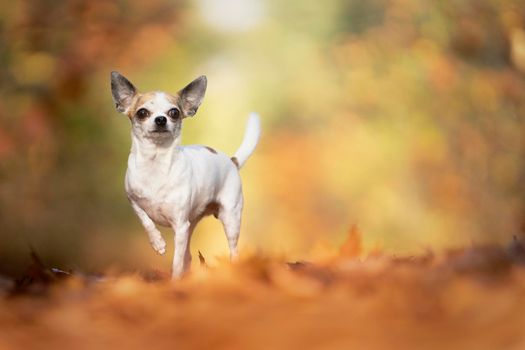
(122, 90)
(191, 96)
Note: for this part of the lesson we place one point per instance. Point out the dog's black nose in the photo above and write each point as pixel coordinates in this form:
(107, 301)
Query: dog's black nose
(161, 121)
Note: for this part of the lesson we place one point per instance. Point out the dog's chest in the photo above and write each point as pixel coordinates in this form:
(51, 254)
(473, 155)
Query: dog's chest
(156, 193)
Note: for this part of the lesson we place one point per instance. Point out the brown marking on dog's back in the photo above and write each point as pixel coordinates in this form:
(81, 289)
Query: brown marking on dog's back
(235, 161)
(211, 149)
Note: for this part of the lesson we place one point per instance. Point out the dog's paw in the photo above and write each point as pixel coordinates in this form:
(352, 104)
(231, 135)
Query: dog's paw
(159, 245)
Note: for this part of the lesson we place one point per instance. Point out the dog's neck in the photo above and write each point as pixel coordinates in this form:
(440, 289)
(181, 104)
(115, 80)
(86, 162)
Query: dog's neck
(154, 152)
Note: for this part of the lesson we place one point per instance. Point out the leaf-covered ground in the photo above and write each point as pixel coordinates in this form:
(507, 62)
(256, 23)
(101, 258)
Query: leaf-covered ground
(472, 298)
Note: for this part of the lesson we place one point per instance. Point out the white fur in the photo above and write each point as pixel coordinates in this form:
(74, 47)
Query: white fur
(172, 185)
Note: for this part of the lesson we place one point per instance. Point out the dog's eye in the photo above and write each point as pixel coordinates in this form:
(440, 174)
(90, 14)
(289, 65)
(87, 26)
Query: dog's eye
(142, 113)
(173, 113)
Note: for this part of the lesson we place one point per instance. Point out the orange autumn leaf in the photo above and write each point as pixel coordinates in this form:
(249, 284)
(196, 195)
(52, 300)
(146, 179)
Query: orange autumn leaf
(352, 247)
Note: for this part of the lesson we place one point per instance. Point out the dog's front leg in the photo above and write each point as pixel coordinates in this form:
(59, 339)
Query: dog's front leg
(181, 263)
(155, 238)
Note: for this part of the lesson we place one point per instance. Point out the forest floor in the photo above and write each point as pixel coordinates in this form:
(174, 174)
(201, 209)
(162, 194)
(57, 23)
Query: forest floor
(472, 298)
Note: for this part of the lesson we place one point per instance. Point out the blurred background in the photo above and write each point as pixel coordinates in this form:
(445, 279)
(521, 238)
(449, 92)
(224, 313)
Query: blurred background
(403, 117)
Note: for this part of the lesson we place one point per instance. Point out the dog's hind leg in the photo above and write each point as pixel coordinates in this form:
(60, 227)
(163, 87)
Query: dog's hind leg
(231, 221)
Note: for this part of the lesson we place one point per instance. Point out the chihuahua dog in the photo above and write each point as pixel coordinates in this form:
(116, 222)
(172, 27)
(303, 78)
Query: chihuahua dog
(172, 185)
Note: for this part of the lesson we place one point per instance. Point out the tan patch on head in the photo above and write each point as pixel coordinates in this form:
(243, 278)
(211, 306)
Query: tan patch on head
(235, 161)
(211, 149)
(140, 98)
(174, 99)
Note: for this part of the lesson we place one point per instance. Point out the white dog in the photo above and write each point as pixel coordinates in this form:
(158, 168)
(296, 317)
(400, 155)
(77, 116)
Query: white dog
(173, 185)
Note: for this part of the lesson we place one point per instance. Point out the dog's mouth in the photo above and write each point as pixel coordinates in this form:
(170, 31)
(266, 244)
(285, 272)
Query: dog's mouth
(160, 131)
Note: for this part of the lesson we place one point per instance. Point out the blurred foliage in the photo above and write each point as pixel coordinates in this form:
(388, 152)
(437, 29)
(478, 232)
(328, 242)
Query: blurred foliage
(469, 298)
(404, 117)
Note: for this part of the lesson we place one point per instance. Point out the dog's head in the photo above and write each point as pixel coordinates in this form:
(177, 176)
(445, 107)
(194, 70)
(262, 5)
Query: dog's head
(156, 115)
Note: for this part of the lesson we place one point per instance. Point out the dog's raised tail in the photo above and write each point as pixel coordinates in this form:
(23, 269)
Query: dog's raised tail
(249, 142)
